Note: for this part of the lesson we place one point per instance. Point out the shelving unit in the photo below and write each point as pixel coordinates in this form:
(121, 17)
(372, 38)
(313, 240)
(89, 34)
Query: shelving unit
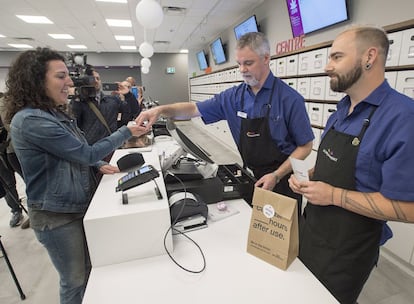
(304, 71)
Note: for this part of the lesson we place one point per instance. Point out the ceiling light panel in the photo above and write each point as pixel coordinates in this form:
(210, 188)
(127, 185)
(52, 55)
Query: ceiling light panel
(124, 38)
(61, 36)
(128, 47)
(113, 1)
(119, 22)
(35, 19)
(20, 46)
(77, 46)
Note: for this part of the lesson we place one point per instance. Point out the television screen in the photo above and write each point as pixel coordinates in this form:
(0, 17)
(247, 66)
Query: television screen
(202, 60)
(307, 16)
(217, 50)
(247, 26)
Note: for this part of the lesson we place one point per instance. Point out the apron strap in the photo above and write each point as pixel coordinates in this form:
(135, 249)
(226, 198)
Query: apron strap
(357, 140)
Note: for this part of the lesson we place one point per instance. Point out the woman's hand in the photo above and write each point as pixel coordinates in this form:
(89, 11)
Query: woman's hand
(137, 130)
(109, 169)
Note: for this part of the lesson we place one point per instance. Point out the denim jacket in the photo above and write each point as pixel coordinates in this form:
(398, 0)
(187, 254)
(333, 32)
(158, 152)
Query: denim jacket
(56, 159)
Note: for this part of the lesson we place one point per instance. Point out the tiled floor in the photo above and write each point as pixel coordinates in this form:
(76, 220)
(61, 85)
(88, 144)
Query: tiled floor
(39, 280)
(386, 285)
(30, 262)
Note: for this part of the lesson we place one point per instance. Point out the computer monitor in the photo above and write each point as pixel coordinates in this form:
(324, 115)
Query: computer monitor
(247, 26)
(217, 49)
(187, 145)
(202, 60)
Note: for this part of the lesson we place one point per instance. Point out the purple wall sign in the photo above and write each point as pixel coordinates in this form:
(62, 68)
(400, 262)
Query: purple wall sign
(295, 17)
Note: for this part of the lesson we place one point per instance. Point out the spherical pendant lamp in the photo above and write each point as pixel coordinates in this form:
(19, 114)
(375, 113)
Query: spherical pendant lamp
(145, 62)
(146, 49)
(149, 14)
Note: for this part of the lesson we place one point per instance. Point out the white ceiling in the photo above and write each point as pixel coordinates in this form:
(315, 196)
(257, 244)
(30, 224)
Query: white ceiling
(202, 21)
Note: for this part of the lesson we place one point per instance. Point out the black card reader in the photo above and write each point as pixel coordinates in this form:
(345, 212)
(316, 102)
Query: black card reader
(137, 177)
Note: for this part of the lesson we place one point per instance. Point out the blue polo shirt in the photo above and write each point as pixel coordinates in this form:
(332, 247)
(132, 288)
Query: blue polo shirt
(288, 121)
(385, 159)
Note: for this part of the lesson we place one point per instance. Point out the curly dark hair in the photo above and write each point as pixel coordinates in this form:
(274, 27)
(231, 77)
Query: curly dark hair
(25, 84)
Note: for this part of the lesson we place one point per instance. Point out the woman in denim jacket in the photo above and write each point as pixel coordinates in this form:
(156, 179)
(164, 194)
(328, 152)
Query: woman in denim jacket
(56, 161)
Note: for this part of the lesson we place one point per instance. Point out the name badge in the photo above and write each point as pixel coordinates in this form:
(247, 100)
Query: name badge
(241, 114)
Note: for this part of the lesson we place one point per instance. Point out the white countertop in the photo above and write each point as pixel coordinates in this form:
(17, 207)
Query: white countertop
(231, 276)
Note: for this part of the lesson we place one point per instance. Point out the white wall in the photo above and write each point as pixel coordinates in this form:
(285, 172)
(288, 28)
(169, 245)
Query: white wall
(273, 19)
(160, 86)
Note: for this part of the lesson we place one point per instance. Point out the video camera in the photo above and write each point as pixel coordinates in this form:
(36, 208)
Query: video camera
(84, 84)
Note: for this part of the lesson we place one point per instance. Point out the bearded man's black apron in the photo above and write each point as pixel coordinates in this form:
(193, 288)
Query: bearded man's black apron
(259, 152)
(339, 247)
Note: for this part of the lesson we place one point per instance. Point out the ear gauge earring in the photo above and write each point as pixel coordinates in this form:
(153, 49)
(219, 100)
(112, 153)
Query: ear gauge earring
(368, 66)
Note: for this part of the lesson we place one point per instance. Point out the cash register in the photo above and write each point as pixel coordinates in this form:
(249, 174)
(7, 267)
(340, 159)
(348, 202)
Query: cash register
(193, 169)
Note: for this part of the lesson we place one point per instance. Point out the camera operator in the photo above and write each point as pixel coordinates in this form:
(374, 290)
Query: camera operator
(97, 113)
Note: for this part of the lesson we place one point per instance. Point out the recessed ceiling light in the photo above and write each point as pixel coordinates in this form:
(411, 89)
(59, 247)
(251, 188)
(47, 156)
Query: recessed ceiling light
(124, 38)
(113, 1)
(20, 46)
(128, 47)
(119, 22)
(35, 19)
(61, 36)
(2, 36)
(184, 51)
(76, 46)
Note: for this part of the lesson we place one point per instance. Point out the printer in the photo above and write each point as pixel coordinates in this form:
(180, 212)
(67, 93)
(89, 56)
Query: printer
(188, 211)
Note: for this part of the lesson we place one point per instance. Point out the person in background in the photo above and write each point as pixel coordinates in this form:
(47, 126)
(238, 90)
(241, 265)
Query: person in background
(133, 86)
(363, 171)
(8, 181)
(56, 159)
(141, 98)
(137, 91)
(9, 164)
(110, 106)
(133, 104)
(267, 118)
(11, 156)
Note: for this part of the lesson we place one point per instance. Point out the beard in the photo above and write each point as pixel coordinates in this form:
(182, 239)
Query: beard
(343, 82)
(250, 80)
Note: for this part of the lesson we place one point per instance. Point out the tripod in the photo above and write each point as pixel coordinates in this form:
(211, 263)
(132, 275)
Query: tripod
(22, 295)
(3, 250)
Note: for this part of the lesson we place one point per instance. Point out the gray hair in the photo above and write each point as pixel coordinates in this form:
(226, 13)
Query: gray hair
(256, 41)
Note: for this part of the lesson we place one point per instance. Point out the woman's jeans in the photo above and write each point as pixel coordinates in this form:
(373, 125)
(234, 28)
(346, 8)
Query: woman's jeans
(68, 251)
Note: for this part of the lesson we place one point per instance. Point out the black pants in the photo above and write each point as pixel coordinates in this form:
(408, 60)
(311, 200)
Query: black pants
(14, 163)
(8, 182)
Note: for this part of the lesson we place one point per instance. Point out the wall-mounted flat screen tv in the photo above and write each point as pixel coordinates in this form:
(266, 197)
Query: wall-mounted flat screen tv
(217, 50)
(307, 16)
(202, 60)
(247, 26)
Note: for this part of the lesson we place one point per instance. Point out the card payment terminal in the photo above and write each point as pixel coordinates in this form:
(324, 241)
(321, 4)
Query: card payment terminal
(137, 177)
